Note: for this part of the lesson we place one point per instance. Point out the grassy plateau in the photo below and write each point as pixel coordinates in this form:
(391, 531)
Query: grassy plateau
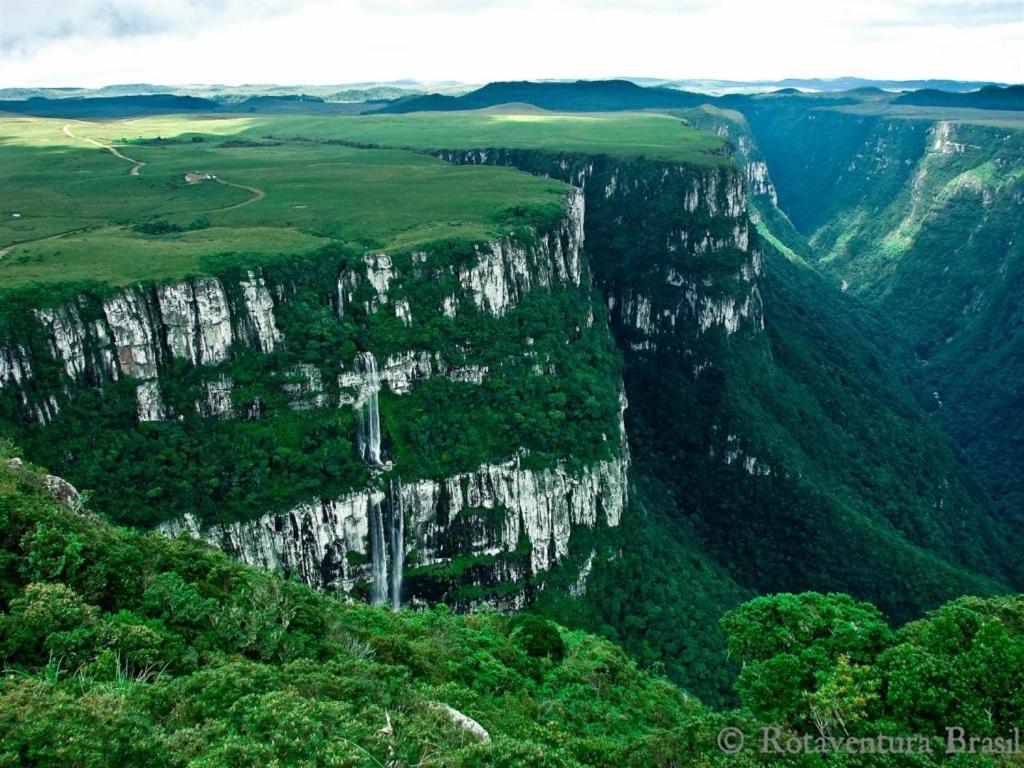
(73, 210)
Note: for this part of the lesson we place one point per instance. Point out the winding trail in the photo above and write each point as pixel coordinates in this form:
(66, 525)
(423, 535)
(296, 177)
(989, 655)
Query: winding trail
(135, 168)
(257, 195)
(8, 248)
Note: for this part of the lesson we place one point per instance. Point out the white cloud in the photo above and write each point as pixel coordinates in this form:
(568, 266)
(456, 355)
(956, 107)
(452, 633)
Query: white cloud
(98, 42)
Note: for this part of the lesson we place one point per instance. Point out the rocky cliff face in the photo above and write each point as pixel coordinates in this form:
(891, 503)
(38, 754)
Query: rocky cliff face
(488, 514)
(670, 244)
(672, 249)
(233, 348)
(133, 334)
(733, 127)
(136, 333)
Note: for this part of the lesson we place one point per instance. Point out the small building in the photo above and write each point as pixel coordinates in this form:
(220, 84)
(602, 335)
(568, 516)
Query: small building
(195, 177)
(15, 215)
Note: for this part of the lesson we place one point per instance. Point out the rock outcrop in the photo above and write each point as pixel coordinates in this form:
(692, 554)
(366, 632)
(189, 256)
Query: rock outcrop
(135, 333)
(695, 267)
(333, 542)
(229, 347)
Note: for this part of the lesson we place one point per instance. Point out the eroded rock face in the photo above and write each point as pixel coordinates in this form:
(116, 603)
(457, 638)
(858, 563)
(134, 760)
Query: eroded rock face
(261, 327)
(305, 388)
(944, 139)
(505, 270)
(150, 402)
(196, 320)
(709, 223)
(138, 331)
(402, 371)
(67, 336)
(136, 344)
(218, 402)
(514, 515)
(329, 542)
(15, 366)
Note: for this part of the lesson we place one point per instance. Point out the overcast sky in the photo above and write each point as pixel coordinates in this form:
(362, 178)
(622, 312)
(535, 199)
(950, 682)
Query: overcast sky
(101, 42)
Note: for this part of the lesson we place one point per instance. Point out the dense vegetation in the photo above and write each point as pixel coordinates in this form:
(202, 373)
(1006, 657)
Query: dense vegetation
(237, 468)
(863, 496)
(857, 475)
(655, 591)
(128, 649)
(920, 220)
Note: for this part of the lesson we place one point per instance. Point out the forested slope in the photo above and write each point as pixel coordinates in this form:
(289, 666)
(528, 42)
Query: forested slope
(920, 219)
(121, 648)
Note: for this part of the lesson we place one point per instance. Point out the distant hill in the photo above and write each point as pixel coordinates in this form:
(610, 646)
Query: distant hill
(851, 83)
(610, 95)
(154, 104)
(359, 91)
(812, 84)
(990, 97)
(579, 96)
(115, 106)
(298, 104)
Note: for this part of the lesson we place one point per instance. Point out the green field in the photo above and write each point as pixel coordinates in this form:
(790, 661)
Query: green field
(283, 185)
(622, 133)
(83, 216)
(991, 117)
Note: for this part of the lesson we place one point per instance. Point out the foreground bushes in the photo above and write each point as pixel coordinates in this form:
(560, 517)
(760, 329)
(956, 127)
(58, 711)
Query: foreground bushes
(129, 649)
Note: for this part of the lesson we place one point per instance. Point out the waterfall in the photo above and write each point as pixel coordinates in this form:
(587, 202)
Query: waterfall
(368, 436)
(387, 548)
(397, 543)
(378, 555)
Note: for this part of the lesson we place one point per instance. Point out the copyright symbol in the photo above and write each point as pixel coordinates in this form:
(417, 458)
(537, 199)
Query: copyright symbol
(730, 740)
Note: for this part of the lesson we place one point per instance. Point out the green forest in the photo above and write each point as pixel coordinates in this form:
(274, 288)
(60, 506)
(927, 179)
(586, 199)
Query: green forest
(707, 421)
(122, 648)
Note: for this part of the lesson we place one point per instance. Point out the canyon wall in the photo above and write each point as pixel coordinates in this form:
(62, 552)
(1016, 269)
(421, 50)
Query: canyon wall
(186, 360)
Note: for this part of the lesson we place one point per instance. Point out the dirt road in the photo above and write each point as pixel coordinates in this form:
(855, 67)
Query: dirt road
(8, 248)
(137, 164)
(257, 195)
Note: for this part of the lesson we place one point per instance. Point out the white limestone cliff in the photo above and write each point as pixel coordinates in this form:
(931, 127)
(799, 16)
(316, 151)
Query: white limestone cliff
(260, 309)
(505, 269)
(196, 320)
(139, 328)
(314, 539)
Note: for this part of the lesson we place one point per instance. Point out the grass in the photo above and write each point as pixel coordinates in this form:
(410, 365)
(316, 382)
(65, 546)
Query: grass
(994, 118)
(765, 233)
(79, 208)
(624, 134)
(119, 256)
(78, 205)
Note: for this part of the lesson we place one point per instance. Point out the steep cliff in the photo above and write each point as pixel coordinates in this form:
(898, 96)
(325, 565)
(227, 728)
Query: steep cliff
(487, 531)
(447, 421)
(768, 436)
(920, 219)
(290, 411)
